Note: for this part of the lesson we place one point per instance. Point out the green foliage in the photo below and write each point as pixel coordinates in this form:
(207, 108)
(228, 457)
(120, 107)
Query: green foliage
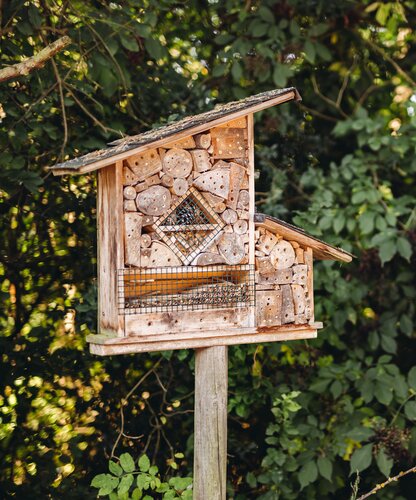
(304, 416)
(126, 481)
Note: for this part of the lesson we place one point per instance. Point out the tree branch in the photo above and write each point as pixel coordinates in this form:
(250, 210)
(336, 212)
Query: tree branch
(389, 480)
(35, 62)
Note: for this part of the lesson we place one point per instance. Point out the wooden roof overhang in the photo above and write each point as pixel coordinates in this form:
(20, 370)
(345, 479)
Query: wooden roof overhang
(127, 146)
(320, 249)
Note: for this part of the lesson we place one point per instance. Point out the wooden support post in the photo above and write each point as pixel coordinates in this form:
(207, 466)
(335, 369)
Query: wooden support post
(210, 447)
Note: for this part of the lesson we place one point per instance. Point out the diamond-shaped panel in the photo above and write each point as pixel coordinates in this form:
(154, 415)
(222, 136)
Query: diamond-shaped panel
(189, 226)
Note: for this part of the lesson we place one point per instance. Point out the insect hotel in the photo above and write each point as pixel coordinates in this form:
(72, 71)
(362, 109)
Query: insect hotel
(184, 260)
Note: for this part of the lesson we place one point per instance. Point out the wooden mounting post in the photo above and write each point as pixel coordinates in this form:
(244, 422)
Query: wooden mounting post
(210, 447)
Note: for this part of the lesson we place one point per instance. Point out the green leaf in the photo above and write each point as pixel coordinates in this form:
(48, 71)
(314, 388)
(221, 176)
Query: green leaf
(127, 462)
(411, 377)
(105, 482)
(325, 467)
(384, 463)
(154, 48)
(308, 474)
(361, 458)
(236, 71)
(258, 28)
(310, 52)
(404, 248)
(144, 463)
(137, 494)
(219, 70)
(383, 393)
(115, 468)
(410, 410)
(387, 251)
(318, 29)
(366, 222)
(266, 14)
(142, 481)
(388, 344)
(129, 43)
(125, 484)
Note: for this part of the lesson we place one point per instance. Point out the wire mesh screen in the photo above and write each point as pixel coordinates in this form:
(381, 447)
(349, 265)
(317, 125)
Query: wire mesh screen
(190, 225)
(185, 288)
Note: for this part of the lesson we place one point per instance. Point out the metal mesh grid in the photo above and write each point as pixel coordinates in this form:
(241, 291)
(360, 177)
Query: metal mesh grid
(185, 288)
(190, 225)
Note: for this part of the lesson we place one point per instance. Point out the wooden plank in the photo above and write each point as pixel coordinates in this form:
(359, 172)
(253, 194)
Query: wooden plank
(210, 420)
(237, 123)
(132, 233)
(216, 182)
(159, 255)
(201, 160)
(145, 164)
(310, 308)
(237, 173)
(184, 133)
(299, 299)
(269, 308)
(110, 237)
(280, 277)
(231, 247)
(185, 143)
(228, 142)
(158, 323)
(251, 203)
(288, 310)
(250, 336)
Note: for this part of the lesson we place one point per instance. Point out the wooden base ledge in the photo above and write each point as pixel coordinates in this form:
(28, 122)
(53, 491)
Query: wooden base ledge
(105, 346)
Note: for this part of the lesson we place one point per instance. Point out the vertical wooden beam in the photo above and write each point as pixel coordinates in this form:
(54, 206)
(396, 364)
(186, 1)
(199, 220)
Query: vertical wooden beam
(110, 237)
(210, 442)
(308, 256)
(252, 206)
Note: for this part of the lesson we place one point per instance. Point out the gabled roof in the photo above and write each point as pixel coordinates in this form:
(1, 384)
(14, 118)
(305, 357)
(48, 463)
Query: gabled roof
(122, 148)
(320, 249)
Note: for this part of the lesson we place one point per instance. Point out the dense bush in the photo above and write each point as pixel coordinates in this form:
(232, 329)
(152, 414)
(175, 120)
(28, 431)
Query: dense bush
(303, 416)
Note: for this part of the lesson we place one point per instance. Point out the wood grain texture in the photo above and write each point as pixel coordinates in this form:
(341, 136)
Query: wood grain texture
(104, 346)
(210, 437)
(110, 237)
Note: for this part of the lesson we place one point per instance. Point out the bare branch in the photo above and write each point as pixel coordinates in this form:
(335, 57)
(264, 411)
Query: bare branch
(389, 480)
(35, 62)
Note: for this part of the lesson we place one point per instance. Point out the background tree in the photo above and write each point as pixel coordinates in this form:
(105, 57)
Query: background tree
(302, 415)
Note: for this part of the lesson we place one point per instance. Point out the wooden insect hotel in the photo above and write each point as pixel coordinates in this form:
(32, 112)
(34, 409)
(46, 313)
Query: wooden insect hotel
(183, 259)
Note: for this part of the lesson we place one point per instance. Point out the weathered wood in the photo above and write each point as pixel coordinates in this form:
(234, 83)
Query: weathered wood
(167, 180)
(300, 274)
(241, 227)
(129, 193)
(310, 309)
(299, 300)
(185, 143)
(229, 216)
(299, 256)
(159, 255)
(145, 241)
(212, 199)
(264, 266)
(110, 247)
(268, 308)
(153, 180)
(203, 140)
(154, 201)
(267, 242)
(180, 186)
(294, 244)
(215, 181)
(183, 133)
(145, 164)
(219, 208)
(231, 247)
(243, 199)
(280, 277)
(148, 220)
(282, 256)
(142, 186)
(288, 310)
(201, 160)
(249, 335)
(132, 233)
(243, 214)
(208, 259)
(177, 163)
(129, 177)
(210, 437)
(237, 123)
(236, 177)
(129, 206)
(228, 142)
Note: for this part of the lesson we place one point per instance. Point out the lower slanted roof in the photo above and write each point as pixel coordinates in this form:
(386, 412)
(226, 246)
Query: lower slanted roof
(321, 250)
